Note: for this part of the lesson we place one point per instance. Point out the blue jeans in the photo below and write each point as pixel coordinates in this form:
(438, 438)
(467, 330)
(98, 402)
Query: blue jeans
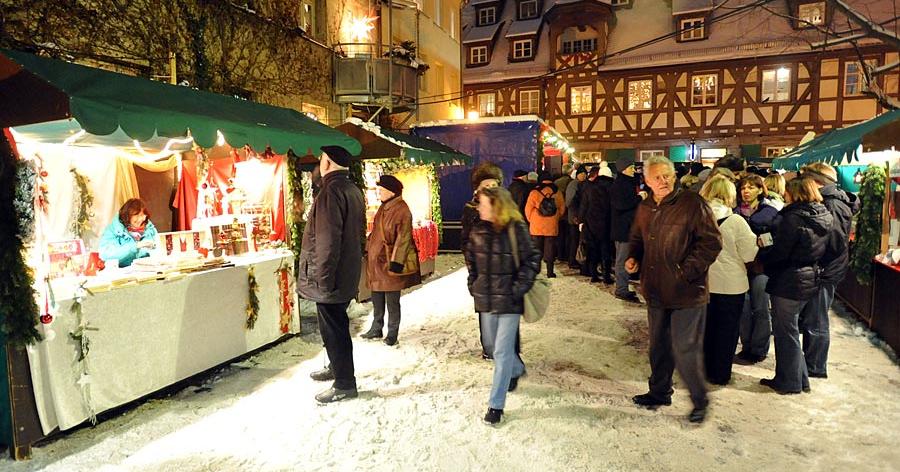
(790, 365)
(814, 328)
(622, 249)
(756, 320)
(506, 363)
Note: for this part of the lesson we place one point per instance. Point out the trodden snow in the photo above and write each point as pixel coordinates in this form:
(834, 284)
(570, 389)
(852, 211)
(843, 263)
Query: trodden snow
(421, 404)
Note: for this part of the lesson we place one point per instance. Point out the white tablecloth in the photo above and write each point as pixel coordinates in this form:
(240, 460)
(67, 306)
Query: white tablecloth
(152, 335)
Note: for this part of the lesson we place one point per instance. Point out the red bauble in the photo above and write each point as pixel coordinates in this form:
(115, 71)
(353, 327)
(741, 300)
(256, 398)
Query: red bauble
(44, 173)
(46, 319)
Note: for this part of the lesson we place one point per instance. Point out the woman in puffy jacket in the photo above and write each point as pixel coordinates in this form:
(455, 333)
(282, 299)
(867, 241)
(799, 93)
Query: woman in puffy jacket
(499, 286)
(727, 280)
(792, 264)
(756, 321)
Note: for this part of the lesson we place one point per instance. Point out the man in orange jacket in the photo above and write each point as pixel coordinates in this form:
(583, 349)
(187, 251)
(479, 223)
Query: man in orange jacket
(543, 210)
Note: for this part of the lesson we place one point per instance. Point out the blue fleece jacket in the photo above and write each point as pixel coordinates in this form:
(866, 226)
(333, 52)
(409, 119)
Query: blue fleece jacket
(116, 243)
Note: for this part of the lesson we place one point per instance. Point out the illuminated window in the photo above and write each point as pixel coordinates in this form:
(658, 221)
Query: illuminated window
(713, 153)
(579, 45)
(529, 102)
(704, 89)
(590, 156)
(776, 85)
(315, 112)
(692, 29)
(523, 49)
(528, 9)
(812, 14)
(478, 55)
(640, 94)
(487, 104)
(654, 153)
(581, 100)
(775, 151)
(617, 3)
(487, 16)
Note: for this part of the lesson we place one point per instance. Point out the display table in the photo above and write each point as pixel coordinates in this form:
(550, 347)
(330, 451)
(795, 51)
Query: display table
(885, 306)
(149, 336)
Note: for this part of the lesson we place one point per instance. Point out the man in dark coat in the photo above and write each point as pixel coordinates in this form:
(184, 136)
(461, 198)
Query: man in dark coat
(624, 200)
(673, 242)
(595, 214)
(330, 265)
(814, 324)
(519, 188)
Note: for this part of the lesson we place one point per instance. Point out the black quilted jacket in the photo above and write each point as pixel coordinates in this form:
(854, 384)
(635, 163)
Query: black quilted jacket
(495, 282)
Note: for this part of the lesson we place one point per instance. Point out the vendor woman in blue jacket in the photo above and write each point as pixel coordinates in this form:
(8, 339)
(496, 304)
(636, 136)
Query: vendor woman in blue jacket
(130, 236)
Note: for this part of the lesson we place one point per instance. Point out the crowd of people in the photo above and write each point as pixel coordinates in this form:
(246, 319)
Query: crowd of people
(722, 255)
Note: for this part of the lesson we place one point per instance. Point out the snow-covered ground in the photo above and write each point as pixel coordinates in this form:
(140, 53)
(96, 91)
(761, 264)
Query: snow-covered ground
(421, 404)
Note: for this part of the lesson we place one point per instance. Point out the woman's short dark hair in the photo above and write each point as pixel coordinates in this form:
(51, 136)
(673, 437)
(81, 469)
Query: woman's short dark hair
(134, 206)
(754, 180)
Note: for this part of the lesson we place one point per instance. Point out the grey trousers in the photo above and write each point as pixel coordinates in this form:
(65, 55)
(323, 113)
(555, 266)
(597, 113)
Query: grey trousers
(815, 330)
(790, 365)
(622, 249)
(676, 340)
(756, 320)
(392, 300)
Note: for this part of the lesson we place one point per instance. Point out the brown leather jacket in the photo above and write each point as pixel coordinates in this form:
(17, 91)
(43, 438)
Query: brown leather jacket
(675, 243)
(391, 231)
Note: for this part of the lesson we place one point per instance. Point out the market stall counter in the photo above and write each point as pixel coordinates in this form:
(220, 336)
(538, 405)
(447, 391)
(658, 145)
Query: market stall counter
(142, 337)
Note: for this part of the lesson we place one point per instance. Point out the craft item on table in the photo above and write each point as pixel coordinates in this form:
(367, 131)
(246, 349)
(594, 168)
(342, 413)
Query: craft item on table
(261, 223)
(233, 199)
(81, 221)
(209, 201)
(285, 293)
(66, 258)
(182, 243)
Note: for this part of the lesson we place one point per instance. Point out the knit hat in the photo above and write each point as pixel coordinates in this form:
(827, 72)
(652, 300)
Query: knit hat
(624, 162)
(485, 171)
(520, 173)
(391, 183)
(581, 170)
(532, 176)
(338, 155)
(606, 172)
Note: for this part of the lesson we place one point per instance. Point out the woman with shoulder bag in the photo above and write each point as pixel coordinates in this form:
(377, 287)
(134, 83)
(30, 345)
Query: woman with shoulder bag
(499, 285)
(392, 263)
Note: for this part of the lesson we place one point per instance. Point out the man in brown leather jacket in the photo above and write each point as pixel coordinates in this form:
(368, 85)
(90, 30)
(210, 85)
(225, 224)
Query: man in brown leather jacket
(674, 240)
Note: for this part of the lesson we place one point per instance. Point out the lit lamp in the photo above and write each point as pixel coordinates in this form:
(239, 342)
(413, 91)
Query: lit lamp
(472, 115)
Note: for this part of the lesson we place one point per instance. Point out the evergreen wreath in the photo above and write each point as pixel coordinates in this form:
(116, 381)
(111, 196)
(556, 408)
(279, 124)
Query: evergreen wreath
(868, 223)
(18, 312)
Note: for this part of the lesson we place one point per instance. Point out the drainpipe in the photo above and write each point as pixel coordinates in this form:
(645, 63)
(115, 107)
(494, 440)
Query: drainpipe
(418, 48)
(390, 55)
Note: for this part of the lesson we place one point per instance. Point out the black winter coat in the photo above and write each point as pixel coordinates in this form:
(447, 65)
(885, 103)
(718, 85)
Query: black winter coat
(470, 217)
(623, 200)
(331, 255)
(842, 206)
(595, 210)
(792, 263)
(519, 190)
(763, 220)
(495, 282)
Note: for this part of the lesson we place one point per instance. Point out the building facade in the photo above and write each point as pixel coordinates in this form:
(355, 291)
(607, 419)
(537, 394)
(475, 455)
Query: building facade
(680, 78)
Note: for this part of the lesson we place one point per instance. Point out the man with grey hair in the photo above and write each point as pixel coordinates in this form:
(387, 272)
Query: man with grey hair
(330, 265)
(673, 241)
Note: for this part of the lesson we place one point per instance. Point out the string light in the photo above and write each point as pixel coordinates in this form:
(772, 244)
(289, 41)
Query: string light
(75, 137)
(166, 150)
(220, 138)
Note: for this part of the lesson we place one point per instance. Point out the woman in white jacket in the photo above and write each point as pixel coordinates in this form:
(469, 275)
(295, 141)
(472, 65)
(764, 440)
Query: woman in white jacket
(727, 280)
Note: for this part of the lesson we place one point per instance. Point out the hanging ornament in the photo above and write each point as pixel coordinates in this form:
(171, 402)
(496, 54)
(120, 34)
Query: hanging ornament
(47, 319)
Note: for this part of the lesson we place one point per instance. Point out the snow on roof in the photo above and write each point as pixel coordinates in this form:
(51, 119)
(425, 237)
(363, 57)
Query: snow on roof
(680, 7)
(486, 119)
(481, 2)
(481, 33)
(524, 28)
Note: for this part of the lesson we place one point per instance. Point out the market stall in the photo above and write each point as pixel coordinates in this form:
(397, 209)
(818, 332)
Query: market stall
(868, 164)
(414, 161)
(85, 335)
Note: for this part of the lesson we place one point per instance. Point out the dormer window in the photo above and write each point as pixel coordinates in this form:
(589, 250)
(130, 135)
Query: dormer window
(620, 3)
(579, 45)
(478, 55)
(692, 29)
(523, 49)
(487, 16)
(811, 14)
(528, 9)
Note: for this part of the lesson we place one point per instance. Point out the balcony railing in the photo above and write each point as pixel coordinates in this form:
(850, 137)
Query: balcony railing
(363, 75)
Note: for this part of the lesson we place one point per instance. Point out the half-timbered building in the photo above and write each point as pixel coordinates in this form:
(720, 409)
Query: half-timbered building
(681, 78)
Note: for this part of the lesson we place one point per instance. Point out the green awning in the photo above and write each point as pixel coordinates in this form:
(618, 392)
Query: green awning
(382, 143)
(834, 145)
(36, 90)
(678, 153)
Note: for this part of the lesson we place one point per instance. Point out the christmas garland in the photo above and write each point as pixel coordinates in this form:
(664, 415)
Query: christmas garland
(82, 347)
(18, 310)
(868, 223)
(296, 223)
(285, 277)
(252, 298)
(81, 224)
